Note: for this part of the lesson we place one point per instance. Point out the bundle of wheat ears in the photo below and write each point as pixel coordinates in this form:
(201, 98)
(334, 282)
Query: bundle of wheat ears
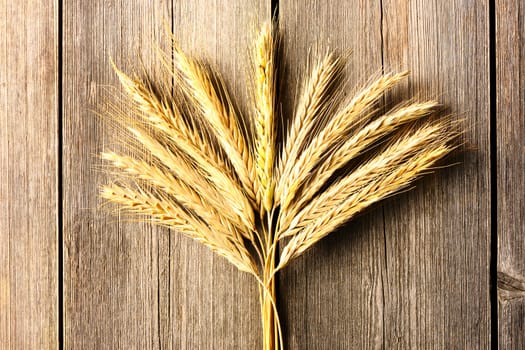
(260, 191)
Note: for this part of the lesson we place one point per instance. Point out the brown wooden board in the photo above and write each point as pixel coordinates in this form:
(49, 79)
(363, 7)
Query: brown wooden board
(28, 175)
(332, 297)
(128, 285)
(437, 274)
(113, 268)
(414, 274)
(213, 305)
(510, 136)
(411, 273)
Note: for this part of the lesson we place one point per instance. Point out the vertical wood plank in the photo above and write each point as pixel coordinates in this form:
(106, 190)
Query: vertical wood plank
(417, 277)
(114, 269)
(213, 305)
(332, 297)
(438, 236)
(510, 107)
(128, 285)
(28, 175)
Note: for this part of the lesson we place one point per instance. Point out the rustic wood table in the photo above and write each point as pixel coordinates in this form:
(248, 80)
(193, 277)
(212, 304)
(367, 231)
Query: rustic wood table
(439, 267)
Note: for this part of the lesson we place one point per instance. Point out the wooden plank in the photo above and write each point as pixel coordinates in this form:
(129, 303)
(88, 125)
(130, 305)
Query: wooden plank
(510, 127)
(128, 285)
(332, 297)
(417, 277)
(438, 236)
(28, 175)
(114, 270)
(214, 306)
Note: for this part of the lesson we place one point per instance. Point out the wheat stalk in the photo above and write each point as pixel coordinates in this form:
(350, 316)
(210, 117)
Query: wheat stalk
(196, 168)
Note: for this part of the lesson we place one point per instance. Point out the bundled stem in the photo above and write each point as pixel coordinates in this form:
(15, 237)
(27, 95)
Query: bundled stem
(270, 318)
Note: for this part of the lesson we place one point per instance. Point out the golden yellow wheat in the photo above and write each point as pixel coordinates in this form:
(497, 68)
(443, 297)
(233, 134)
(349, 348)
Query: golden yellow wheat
(251, 198)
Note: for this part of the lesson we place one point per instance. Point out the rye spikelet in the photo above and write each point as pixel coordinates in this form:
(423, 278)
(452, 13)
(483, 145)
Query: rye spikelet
(195, 168)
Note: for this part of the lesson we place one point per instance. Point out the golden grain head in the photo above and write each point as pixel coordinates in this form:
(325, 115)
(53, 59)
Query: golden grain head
(265, 110)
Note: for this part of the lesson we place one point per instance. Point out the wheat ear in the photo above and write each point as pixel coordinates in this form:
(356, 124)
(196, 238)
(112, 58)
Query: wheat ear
(179, 190)
(218, 112)
(296, 173)
(184, 170)
(166, 213)
(386, 160)
(265, 123)
(356, 144)
(311, 106)
(318, 225)
(167, 119)
(163, 115)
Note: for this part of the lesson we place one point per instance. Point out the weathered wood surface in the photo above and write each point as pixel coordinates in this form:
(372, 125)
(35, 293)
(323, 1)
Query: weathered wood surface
(510, 127)
(114, 270)
(28, 175)
(438, 236)
(414, 274)
(332, 297)
(129, 285)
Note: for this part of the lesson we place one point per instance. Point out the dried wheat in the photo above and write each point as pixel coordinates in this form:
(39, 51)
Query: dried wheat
(197, 169)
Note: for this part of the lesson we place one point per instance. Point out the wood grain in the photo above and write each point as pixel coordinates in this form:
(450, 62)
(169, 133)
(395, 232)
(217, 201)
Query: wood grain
(413, 273)
(213, 305)
(438, 236)
(417, 275)
(510, 129)
(332, 297)
(28, 175)
(114, 270)
(129, 285)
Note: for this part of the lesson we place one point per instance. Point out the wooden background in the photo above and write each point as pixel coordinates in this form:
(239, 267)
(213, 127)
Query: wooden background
(440, 267)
